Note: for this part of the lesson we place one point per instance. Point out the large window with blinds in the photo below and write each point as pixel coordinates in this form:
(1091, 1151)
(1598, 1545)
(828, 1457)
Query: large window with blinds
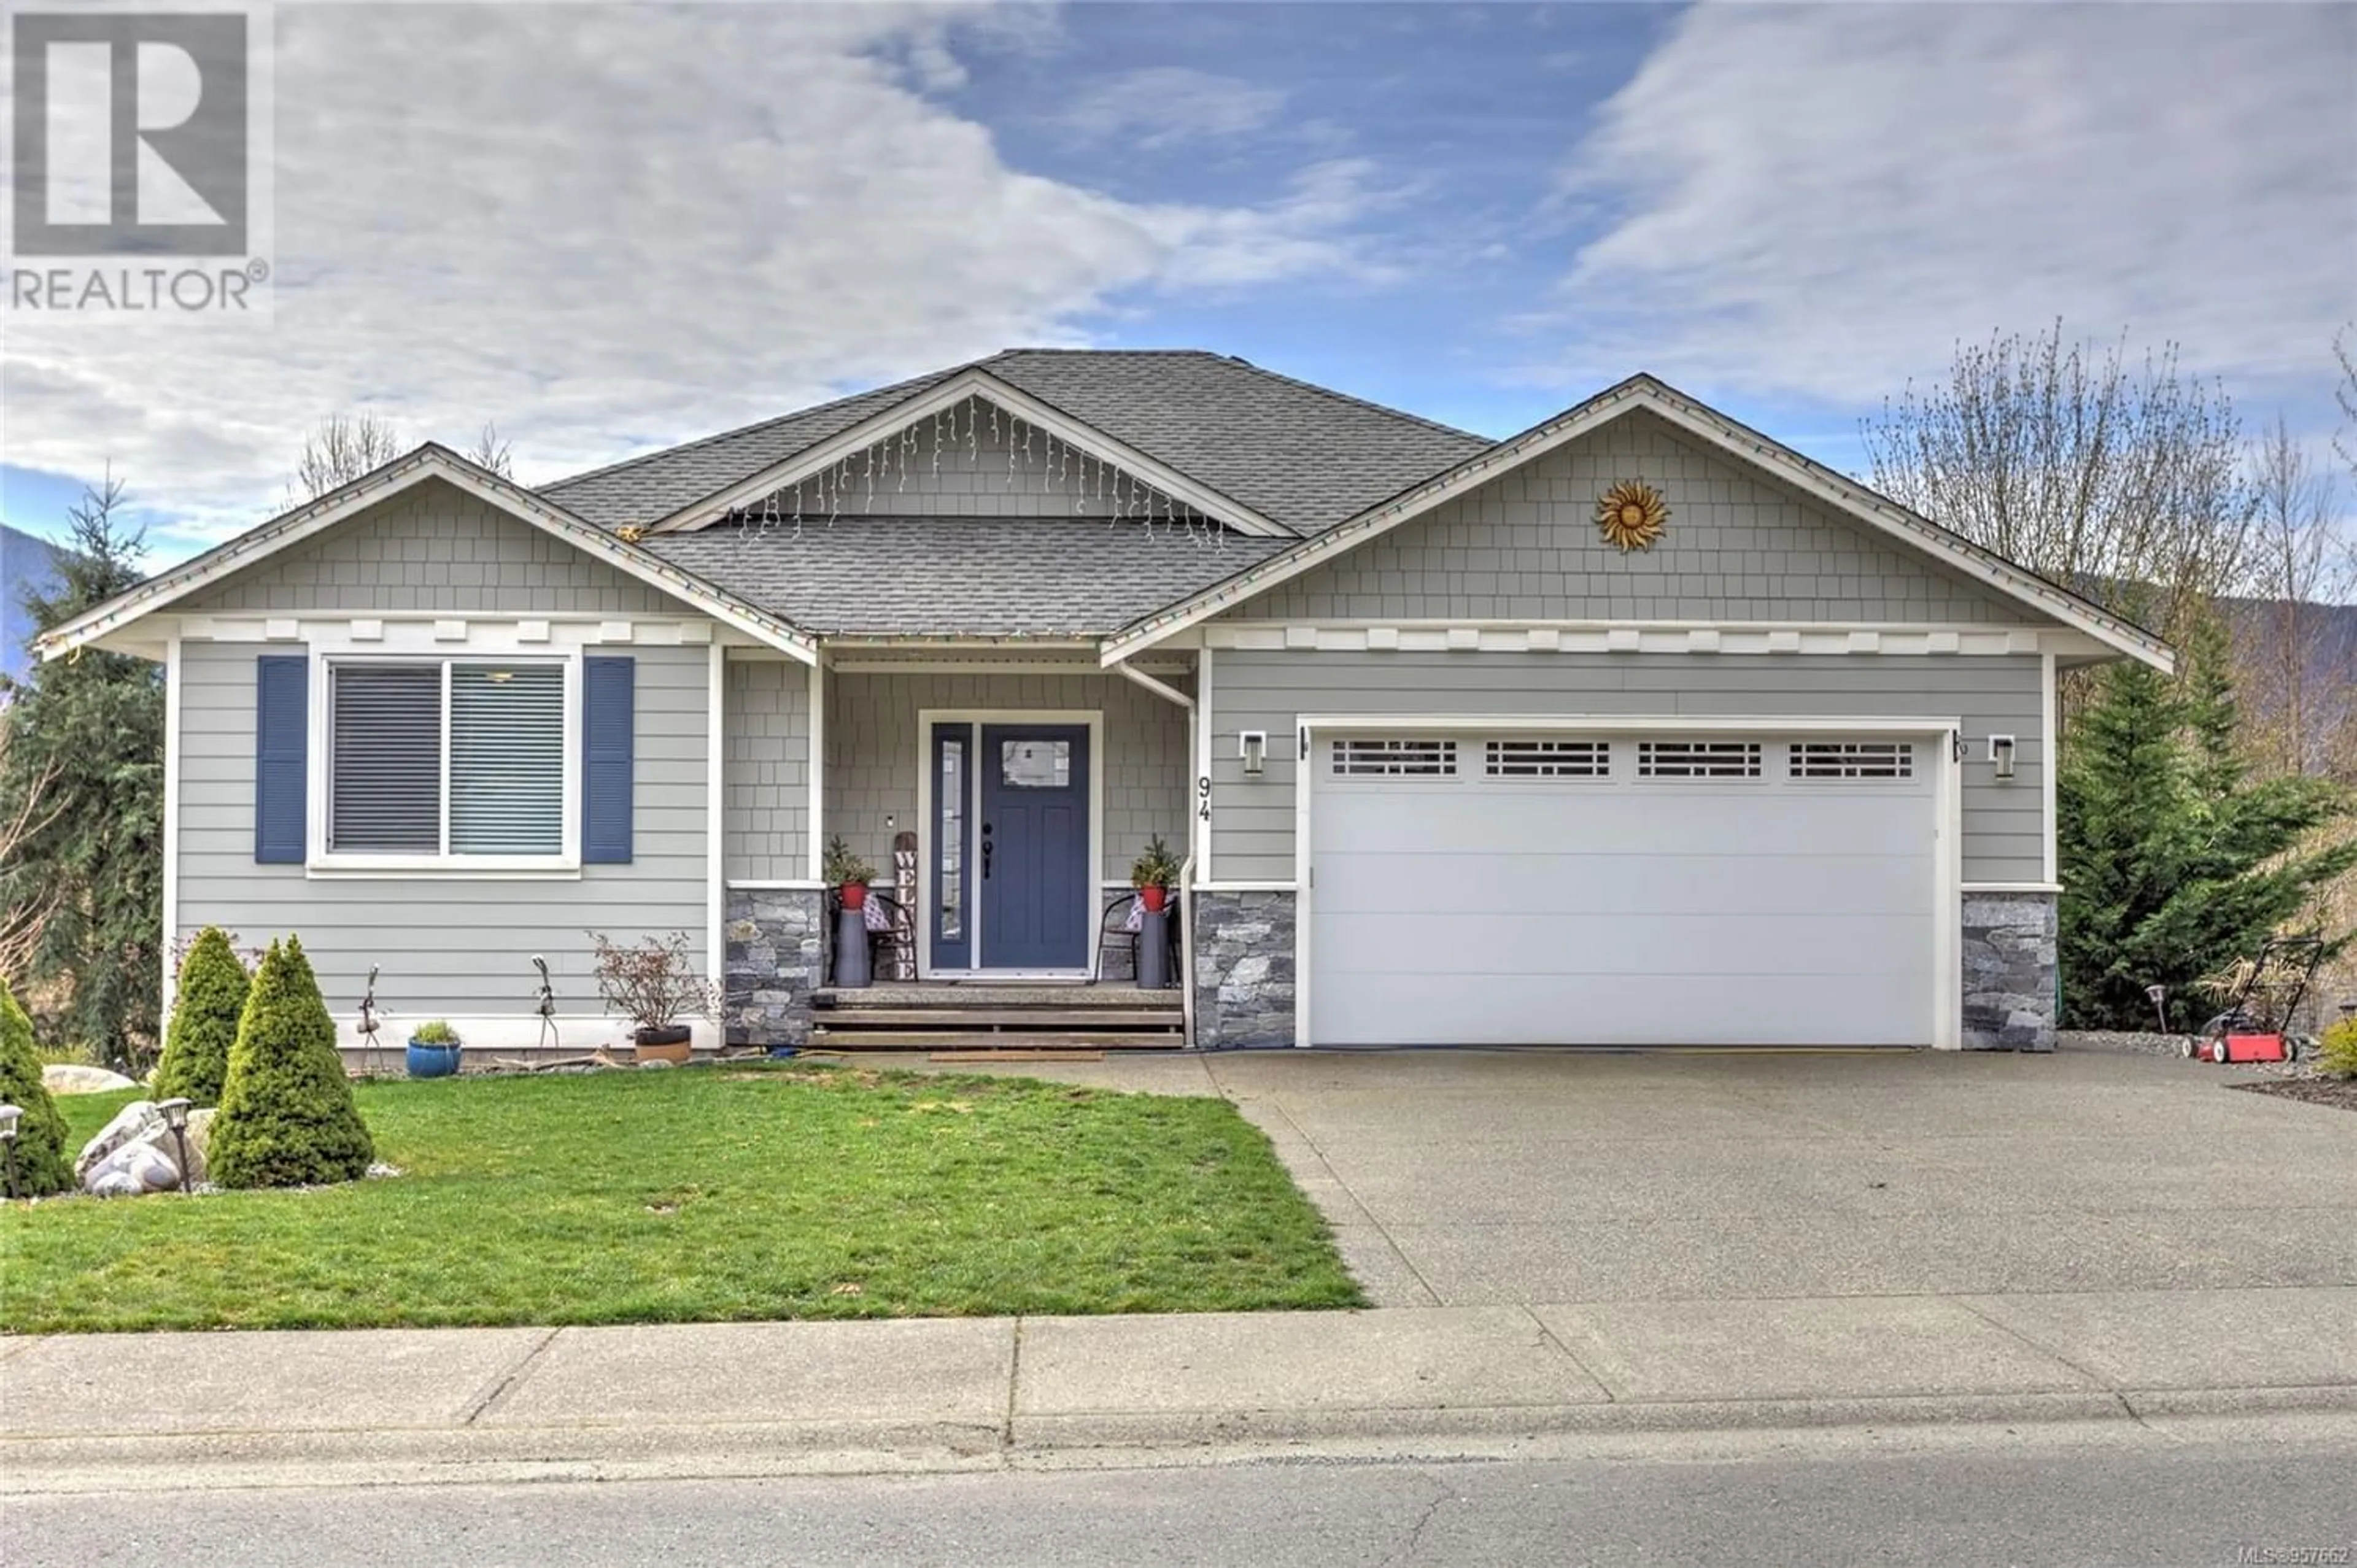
(462, 759)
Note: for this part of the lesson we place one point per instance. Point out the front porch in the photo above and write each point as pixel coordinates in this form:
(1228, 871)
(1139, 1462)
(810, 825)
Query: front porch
(1001, 800)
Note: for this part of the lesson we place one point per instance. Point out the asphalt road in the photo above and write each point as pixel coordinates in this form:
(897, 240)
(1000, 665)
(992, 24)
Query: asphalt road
(2191, 1504)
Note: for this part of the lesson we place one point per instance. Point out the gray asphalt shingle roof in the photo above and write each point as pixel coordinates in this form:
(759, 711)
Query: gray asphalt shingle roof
(1300, 454)
(962, 576)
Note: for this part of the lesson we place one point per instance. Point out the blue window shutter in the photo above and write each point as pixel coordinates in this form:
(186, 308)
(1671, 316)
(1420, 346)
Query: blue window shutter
(282, 728)
(608, 701)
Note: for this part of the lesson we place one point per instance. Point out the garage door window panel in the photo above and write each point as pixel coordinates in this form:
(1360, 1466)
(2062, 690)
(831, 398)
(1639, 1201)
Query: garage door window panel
(1396, 758)
(1817, 760)
(1698, 759)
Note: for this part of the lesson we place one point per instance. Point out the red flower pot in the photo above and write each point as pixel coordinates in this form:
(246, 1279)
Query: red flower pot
(855, 895)
(1154, 899)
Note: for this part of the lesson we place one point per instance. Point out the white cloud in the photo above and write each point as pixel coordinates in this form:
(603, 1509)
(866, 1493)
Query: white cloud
(1164, 105)
(610, 227)
(1823, 200)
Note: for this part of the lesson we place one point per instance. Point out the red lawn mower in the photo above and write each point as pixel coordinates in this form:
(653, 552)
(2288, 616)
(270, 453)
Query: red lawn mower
(2262, 997)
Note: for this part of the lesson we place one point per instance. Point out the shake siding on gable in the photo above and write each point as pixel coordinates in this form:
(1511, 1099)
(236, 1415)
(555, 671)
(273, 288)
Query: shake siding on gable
(1252, 819)
(449, 945)
(1738, 548)
(435, 549)
(977, 474)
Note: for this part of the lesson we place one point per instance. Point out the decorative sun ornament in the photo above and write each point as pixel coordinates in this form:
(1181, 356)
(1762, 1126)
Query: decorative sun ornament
(1632, 515)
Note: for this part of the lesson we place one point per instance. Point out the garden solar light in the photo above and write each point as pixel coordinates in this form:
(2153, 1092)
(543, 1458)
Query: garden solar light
(2158, 996)
(175, 1117)
(8, 1114)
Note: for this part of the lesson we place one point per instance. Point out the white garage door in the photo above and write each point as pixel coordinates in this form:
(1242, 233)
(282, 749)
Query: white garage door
(1674, 890)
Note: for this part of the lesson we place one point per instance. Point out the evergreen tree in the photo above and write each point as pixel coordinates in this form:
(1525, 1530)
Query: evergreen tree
(206, 1007)
(286, 1112)
(43, 1165)
(2174, 863)
(83, 767)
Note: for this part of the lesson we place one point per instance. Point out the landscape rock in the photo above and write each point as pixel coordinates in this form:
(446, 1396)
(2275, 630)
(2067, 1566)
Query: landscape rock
(129, 1124)
(136, 1153)
(134, 1170)
(80, 1078)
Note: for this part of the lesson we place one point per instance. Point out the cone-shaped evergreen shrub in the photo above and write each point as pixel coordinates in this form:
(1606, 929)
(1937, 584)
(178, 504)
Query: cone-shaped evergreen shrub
(286, 1112)
(42, 1164)
(206, 1007)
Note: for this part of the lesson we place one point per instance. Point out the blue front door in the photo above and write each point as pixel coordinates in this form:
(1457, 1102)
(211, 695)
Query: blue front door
(1032, 847)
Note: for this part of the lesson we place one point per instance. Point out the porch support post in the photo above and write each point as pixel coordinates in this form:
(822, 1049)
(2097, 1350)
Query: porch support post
(716, 833)
(816, 815)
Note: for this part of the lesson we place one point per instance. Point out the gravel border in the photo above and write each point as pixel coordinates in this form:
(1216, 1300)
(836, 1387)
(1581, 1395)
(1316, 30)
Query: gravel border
(2143, 1043)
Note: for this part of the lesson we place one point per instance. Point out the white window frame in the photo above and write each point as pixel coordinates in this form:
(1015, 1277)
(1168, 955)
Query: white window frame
(320, 861)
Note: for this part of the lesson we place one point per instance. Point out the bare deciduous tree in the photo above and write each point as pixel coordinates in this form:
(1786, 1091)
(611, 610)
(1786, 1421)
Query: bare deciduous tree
(490, 450)
(2123, 484)
(2344, 392)
(2298, 567)
(340, 449)
(21, 922)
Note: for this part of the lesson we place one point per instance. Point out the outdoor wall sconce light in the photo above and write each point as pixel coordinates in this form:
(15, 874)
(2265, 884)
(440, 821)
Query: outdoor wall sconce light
(1253, 746)
(175, 1117)
(2001, 754)
(8, 1114)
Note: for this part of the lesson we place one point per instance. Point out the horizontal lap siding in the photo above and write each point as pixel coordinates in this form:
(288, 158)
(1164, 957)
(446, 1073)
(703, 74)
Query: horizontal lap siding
(447, 945)
(767, 726)
(1252, 822)
(1739, 547)
(872, 753)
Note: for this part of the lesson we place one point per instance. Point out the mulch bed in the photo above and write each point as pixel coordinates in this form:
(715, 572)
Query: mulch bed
(2341, 1092)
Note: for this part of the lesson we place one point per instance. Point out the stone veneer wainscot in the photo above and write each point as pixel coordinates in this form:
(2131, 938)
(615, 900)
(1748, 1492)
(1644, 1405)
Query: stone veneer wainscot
(2009, 971)
(1243, 968)
(775, 958)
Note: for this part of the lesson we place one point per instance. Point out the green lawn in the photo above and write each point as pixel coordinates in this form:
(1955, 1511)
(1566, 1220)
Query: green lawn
(700, 1194)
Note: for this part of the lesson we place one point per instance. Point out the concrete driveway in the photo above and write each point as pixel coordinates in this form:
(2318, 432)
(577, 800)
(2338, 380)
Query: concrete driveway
(1481, 1178)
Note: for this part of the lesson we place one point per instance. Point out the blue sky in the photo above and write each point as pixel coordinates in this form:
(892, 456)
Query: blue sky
(609, 229)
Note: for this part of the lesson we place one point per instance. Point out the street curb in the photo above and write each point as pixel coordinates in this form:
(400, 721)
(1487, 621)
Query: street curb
(231, 1460)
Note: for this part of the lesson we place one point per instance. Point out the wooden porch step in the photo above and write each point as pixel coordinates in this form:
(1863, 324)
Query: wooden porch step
(971, 1016)
(968, 1040)
(1041, 998)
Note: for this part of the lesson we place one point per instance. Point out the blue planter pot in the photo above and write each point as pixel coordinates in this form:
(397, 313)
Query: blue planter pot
(433, 1062)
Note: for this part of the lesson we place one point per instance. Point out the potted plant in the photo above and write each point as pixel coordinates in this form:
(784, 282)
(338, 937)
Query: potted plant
(433, 1048)
(1153, 873)
(848, 872)
(653, 984)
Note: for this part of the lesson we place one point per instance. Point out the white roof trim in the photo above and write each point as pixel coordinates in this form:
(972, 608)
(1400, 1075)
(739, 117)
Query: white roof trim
(429, 461)
(1706, 425)
(940, 397)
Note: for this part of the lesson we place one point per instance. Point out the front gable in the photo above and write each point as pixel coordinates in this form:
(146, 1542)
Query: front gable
(973, 458)
(1739, 547)
(430, 549)
(951, 440)
(1748, 490)
(439, 534)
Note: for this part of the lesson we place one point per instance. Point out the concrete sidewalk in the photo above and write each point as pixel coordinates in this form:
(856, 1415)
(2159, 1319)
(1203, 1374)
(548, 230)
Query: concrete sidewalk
(158, 1411)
